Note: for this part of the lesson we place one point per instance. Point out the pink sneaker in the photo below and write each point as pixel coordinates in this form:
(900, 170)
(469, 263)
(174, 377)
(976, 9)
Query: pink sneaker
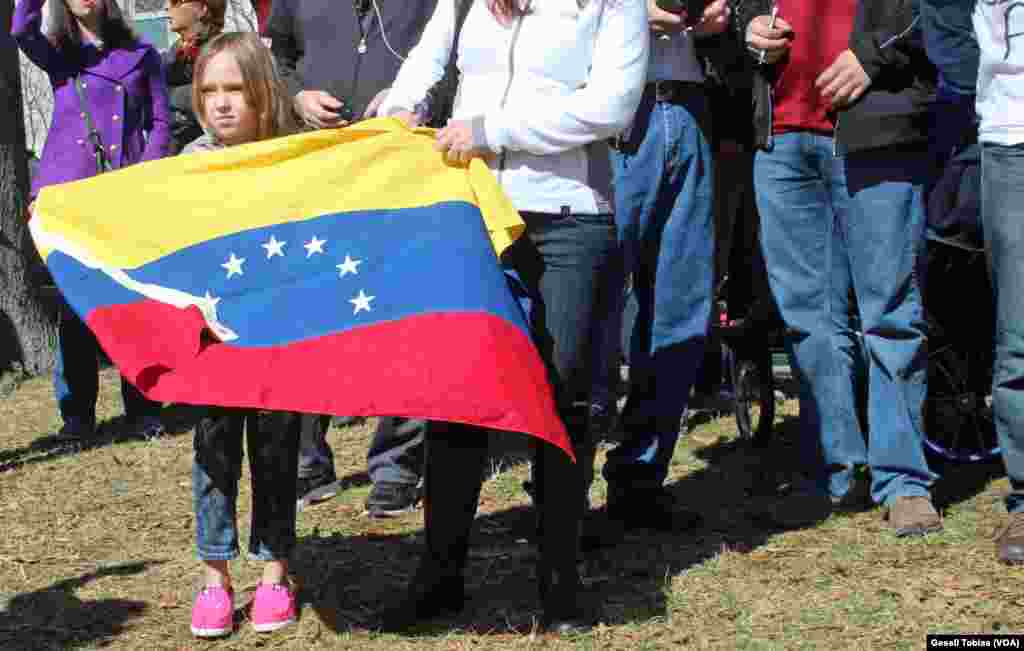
(213, 612)
(273, 607)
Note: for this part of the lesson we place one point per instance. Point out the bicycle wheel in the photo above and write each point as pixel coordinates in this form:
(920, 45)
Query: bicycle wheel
(959, 425)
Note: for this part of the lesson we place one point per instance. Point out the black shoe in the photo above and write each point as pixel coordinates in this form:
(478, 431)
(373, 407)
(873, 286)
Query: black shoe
(313, 490)
(390, 499)
(146, 428)
(75, 431)
(561, 599)
(651, 509)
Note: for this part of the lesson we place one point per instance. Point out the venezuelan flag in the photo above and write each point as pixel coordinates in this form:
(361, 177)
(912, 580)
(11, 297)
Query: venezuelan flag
(346, 272)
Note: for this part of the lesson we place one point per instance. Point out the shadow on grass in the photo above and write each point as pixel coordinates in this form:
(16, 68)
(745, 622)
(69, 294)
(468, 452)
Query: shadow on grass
(348, 580)
(177, 419)
(958, 482)
(961, 482)
(55, 618)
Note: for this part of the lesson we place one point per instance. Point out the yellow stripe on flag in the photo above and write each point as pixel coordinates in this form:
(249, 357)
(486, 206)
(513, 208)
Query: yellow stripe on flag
(176, 202)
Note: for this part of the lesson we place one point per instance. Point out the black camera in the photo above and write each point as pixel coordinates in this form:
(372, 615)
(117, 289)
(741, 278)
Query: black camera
(346, 113)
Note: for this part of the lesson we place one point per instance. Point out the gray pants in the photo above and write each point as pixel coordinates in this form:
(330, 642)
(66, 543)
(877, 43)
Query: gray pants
(396, 452)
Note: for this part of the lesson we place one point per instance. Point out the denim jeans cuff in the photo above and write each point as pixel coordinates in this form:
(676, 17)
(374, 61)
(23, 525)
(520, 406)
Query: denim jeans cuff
(395, 474)
(323, 470)
(907, 491)
(210, 554)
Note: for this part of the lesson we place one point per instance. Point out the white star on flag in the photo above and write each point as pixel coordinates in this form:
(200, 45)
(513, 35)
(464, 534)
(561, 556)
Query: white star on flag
(234, 265)
(212, 300)
(314, 246)
(349, 266)
(361, 302)
(274, 247)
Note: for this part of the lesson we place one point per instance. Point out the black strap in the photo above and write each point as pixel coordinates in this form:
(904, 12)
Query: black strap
(441, 97)
(461, 11)
(102, 162)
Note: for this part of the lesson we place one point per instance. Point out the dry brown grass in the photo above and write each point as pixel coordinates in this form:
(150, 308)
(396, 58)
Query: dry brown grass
(97, 551)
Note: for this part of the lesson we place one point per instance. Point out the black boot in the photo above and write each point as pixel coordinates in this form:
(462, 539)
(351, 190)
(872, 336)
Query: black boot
(455, 456)
(560, 505)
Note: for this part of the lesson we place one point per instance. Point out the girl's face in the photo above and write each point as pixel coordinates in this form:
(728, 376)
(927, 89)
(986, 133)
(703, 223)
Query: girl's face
(228, 112)
(185, 15)
(85, 9)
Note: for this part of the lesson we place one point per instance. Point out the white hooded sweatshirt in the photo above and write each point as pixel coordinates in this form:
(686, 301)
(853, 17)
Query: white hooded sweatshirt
(545, 92)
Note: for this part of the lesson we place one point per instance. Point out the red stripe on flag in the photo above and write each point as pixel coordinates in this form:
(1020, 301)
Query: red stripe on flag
(467, 367)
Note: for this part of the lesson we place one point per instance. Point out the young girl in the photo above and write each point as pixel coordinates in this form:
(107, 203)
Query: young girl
(109, 111)
(237, 97)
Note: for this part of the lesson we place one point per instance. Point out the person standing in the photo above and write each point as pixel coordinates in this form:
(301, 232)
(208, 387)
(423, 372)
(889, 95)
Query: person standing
(338, 60)
(110, 111)
(542, 87)
(239, 99)
(664, 203)
(840, 117)
(195, 22)
(1000, 106)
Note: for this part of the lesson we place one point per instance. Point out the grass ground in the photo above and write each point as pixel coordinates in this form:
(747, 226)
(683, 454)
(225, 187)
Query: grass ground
(96, 551)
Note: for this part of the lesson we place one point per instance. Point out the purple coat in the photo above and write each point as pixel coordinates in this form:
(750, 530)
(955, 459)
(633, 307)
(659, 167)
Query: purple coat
(125, 94)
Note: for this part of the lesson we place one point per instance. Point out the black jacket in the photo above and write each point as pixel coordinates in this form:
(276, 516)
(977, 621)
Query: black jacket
(184, 125)
(886, 39)
(317, 45)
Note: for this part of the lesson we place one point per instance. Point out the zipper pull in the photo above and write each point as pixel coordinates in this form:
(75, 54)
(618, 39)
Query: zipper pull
(362, 46)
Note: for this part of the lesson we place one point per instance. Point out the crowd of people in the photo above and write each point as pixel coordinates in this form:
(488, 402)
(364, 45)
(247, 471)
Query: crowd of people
(596, 116)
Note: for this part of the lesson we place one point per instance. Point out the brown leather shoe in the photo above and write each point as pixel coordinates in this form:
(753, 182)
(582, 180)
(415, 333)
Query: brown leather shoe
(1010, 540)
(913, 515)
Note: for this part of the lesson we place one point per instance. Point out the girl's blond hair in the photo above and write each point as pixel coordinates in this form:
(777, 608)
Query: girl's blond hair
(262, 85)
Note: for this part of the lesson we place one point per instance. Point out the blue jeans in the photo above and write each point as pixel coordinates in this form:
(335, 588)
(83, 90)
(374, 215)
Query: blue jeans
(316, 461)
(843, 237)
(664, 186)
(272, 440)
(76, 376)
(1002, 214)
(396, 451)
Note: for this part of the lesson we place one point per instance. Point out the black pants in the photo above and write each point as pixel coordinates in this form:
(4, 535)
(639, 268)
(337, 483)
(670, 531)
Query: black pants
(271, 439)
(559, 260)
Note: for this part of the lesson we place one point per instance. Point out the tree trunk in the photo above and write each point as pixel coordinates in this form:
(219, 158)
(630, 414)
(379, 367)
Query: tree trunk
(27, 322)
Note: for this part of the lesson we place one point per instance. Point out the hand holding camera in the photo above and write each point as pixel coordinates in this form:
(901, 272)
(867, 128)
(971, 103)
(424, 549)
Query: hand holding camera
(321, 110)
(701, 16)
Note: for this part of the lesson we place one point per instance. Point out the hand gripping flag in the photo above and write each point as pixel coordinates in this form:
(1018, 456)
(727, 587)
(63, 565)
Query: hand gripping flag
(347, 272)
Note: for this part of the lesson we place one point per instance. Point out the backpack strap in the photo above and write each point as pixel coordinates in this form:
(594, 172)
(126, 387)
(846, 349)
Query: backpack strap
(461, 12)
